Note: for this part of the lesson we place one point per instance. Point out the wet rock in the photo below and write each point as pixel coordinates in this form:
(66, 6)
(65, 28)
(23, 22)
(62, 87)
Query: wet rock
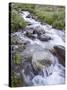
(60, 52)
(44, 38)
(42, 59)
(38, 30)
(29, 33)
(20, 48)
(18, 43)
(29, 16)
(16, 40)
(34, 17)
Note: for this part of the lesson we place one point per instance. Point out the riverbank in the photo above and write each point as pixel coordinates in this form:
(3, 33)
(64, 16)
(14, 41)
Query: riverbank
(53, 15)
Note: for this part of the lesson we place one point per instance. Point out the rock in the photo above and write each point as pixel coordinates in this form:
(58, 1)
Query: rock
(34, 17)
(18, 44)
(20, 48)
(42, 59)
(60, 52)
(16, 40)
(44, 38)
(38, 30)
(30, 34)
(29, 16)
(17, 48)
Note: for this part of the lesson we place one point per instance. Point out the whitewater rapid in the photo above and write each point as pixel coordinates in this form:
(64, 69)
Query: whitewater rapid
(54, 74)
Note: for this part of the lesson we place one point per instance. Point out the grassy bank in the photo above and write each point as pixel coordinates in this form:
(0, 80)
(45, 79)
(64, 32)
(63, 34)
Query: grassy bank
(17, 22)
(53, 15)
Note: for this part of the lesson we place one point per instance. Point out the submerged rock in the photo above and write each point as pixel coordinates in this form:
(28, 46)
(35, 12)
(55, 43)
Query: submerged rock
(60, 53)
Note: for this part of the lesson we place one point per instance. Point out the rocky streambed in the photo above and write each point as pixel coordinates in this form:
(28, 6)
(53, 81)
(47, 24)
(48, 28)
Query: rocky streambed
(42, 51)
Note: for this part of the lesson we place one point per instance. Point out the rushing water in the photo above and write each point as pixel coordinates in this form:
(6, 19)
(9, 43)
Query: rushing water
(55, 73)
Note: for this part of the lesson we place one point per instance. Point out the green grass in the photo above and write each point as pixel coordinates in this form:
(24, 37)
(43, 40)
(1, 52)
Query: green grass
(17, 59)
(23, 7)
(17, 22)
(53, 15)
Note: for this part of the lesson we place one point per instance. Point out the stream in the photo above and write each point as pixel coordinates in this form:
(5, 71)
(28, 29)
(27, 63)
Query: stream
(46, 45)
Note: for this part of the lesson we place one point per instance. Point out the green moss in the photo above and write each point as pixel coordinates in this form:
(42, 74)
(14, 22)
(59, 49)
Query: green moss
(17, 59)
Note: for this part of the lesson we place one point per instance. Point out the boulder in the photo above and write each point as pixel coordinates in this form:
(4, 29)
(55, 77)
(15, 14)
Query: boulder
(34, 17)
(16, 40)
(29, 33)
(42, 59)
(60, 53)
(29, 16)
(44, 38)
(38, 30)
